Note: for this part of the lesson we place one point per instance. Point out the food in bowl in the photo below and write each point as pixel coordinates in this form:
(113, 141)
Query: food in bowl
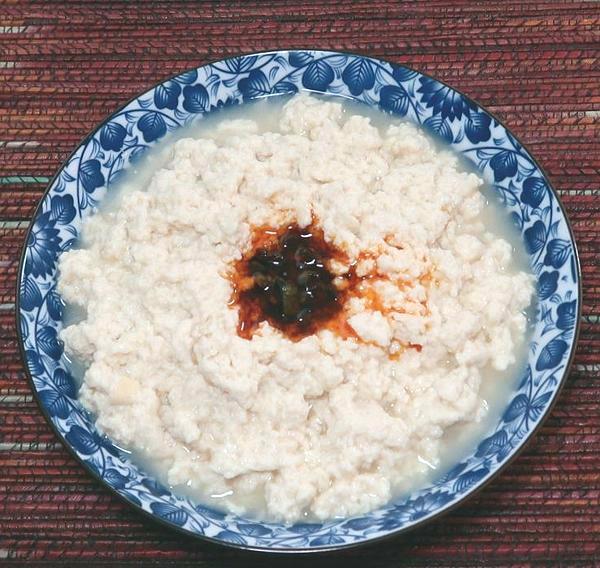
(290, 316)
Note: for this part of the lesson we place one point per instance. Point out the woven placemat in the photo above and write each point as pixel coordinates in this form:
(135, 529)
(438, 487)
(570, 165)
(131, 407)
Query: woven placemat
(65, 65)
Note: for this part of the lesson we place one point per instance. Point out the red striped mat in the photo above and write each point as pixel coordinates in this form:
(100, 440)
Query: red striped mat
(66, 65)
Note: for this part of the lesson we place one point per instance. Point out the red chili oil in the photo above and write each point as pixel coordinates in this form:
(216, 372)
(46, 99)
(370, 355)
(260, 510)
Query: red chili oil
(284, 279)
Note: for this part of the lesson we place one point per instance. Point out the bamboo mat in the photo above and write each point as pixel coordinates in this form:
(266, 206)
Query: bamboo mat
(65, 65)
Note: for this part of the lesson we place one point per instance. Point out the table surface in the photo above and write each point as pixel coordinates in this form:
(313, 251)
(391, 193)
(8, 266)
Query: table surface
(65, 66)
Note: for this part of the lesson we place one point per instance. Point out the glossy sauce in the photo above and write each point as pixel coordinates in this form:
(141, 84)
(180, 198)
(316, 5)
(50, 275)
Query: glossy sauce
(284, 279)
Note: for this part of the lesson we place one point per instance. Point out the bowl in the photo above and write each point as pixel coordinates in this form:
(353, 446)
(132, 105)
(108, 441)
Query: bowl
(88, 174)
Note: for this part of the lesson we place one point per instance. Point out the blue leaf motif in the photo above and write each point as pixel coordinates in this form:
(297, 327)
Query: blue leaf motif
(49, 342)
(131, 496)
(535, 237)
(401, 73)
(253, 529)
(390, 522)
(557, 253)
(24, 327)
(64, 382)
(394, 99)
(254, 86)
(43, 245)
(469, 479)
(144, 102)
(152, 125)
(443, 99)
(551, 355)
(210, 513)
(105, 442)
(318, 76)
(33, 362)
(300, 58)
(167, 94)
(240, 64)
(492, 444)
(170, 513)
(228, 102)
(547, 284)
(439, 126)
(137, 153)
(112, 136)
(538, 405)
(517, 220)
(305, 528)
(516, 145)
(525, 377)
(453, 473)
(68, 244)
(359, 76)
(195, 99)
(504, 164)
(114, 478)
(421, 506)
(54, 305)
(188, 77)
(54, 403)
(516, 409)
(93, 149)
(567, 315)
(62, 209)
(229, 536)
(285, 87)
(534, 189)
(30, 296)
(329, 538)
(90, 175)
(521, 406)
(360, 524)
(154, 487)
(116, 175)
(82, 441)
(477, 127)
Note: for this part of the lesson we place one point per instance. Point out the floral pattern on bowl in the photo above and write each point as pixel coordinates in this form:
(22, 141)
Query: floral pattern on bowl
(99, 161)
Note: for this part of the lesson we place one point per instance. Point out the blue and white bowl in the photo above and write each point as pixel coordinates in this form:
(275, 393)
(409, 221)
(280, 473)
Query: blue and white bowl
(97, 163)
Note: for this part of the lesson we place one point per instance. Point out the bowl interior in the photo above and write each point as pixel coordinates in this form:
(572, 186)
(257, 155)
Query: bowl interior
(103, 156)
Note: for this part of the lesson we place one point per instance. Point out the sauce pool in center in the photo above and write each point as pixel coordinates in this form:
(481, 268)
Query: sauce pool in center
(284, 280)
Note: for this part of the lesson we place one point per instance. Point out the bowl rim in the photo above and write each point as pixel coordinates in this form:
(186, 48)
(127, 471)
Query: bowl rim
(395, 533)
